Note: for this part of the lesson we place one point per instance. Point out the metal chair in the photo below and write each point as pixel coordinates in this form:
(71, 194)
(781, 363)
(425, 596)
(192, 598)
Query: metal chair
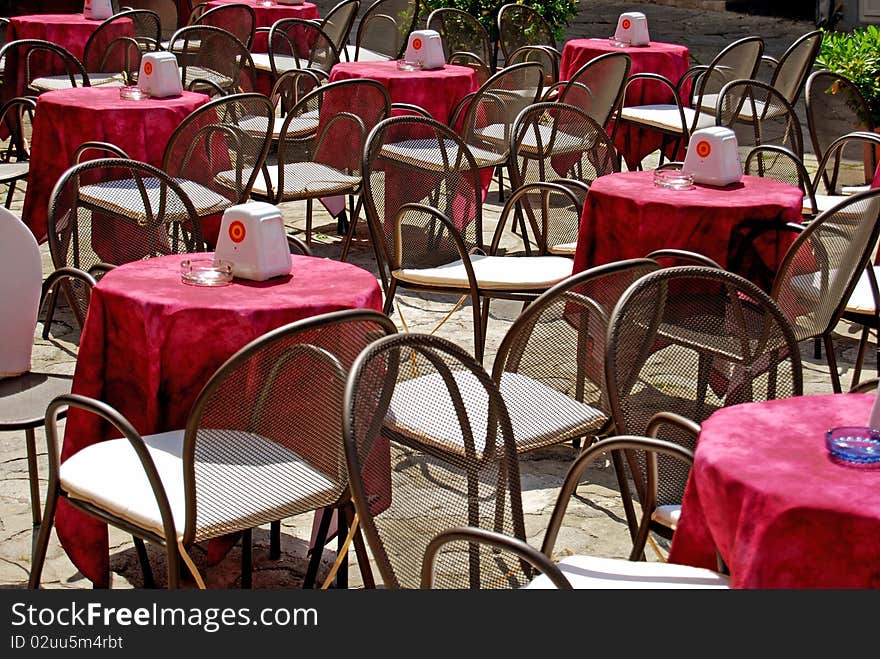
(261, 443)
(465, 40)
(781, 164)
(294, 44)
(237, 18)
(29, 60)
(213, 61)
(846, 167)
(521, 26)
(583, 571)
(463, 472)
(338, 22)
(682, 342)
(383, 30)
(596, 87)
(790, 71)
(167, 10)
(16, 116)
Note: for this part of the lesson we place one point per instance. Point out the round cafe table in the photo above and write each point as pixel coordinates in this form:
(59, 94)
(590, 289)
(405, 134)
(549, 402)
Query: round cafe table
(151, 342)
(70, 31)
(436, 90)
(667, 59)
(66, 118)
(626, 216)
(781, 511)
(267, 15)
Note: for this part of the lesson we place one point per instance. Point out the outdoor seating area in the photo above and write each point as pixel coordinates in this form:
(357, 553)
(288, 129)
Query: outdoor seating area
(294, 304)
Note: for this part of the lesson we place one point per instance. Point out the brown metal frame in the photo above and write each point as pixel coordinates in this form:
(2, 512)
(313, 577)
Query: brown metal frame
(574, 82)
(236, 49)
(25, 47)
(373, 13)
(222, 9)
(350, 6)
(481, 63)
(18, 145)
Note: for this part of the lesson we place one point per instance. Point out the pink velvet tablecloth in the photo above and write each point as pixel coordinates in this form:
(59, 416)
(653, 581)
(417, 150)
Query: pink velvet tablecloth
(626, 216)
(438, 90)
(266, 16)
(66, 118)
(667, 59)
(781, 511)
(70, 31)
(150, 343)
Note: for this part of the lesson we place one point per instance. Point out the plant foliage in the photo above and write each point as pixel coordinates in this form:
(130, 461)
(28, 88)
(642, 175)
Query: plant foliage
(557, 13)
(856, 56)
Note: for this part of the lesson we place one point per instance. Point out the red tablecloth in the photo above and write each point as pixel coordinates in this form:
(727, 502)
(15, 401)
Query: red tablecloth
(668, 59)
(267, 16)
(782, 513)
(70, 31)
(67, 118)
(438, 90)
(626, 216)
(151, 342)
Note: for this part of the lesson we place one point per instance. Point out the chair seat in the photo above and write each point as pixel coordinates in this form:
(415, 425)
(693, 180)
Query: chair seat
(425, 154)
(510, 273)
(667, 515)
(283, 63)
(563, 249)
(52, 83)
(665, 117)
(364, 55)
(540, 415)
(23, 398)
(109, 475)
(862, 299)
(122, 197)
(300, 126)
(301, 180)
(591, 572)
(204, 73)
(14, 170)
(557, 142)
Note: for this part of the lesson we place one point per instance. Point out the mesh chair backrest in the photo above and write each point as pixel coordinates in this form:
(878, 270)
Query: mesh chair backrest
(597, 87)
(115, 211)
(519, 25)
(835, 107)
(777, 163)
(559, 340)
(760, 115)
(17, 117)
(113, 48)
(553, 210)
(237, 18)
(794, 66)
(25, 60)
(385, 26)
(165, 9)
(690, 340)
(292, 86)
(555, 140)
(461, 471)
(222, 145)
(822, 267)
(848, 161)
(338, 22)
(738, 61)
(215, 59)
(304, 40)
(463, 37)
(412, 159)
(278, 400)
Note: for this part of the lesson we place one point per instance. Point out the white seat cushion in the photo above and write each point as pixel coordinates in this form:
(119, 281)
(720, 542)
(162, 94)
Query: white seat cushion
(203, 73)
(527, 273)
(300, 126)
(52, 83)
(427, 154)
(364, 55)
(539, 414)
(283, 63)
(556, 142)
(665, 117)
(590, 572)
(301, 180)
(667, 515)
(563, 249)
(862, 298)
(123, 197)
(12, 170)
(109, 475)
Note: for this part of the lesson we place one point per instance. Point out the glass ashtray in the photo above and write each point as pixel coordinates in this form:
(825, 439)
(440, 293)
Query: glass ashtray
(858, 445)
(205, 272)
(409, 65)
(132, 93)
(673, 179)
(619, 44)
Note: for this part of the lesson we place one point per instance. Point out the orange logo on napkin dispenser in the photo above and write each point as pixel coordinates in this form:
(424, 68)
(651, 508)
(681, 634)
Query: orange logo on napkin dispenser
(148, 68)
(703, 149)
(237, 232)
(417, 44)
(626, 24)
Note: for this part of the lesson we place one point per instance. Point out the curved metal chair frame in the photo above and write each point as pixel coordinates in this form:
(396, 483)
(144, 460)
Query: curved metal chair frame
(465, 40)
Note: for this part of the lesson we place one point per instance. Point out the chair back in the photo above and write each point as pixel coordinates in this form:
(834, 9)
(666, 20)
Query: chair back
(795, 65)
(17, 118)
(737, 61)
(835, 107)
(20, 286)
(848, 165)
(690, 340)
(597, 87)
(465, 40)
(760, 115)
(290, 87)
(385, 26)
(213, 61)
(237, 17)
(25, 60)
(781, 164)
(338, 22)
(303, 44)
(167, 10)
(108, 52)
(113, 211)
(520, 25)
(412, 159)
(463, 473)
(823, 265)
(275, 408)
(222, 146)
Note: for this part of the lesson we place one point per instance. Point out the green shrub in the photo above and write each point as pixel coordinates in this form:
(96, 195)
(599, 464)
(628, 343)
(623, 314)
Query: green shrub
(556, 12)
(856, 55)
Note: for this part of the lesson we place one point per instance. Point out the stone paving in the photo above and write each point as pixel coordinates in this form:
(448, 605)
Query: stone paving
(598, 529)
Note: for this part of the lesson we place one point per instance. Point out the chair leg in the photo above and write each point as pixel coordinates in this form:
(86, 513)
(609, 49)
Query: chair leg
(275, 540)
(832, 363)
(351, 230)
(318, 549)
(817, 348)
(389, 297)
(860, 357)
(341, 533)
(50, 312)
(629, 509)
(144, 560)
(247, 558)
(360, 549)
(39, 556)
(33, 476)
(309, 222)
(500, 171)
(479, 337)
(173, 558)
(10, 193)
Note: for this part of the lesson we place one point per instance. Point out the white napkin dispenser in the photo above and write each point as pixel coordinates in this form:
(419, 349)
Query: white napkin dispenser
(632, 28)
(98, 10)
(159, 75)
(426, 48)
(252, 238)
(713, 156)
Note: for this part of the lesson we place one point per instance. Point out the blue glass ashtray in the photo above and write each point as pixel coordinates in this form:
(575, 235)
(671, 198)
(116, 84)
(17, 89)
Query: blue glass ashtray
(858, 445)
